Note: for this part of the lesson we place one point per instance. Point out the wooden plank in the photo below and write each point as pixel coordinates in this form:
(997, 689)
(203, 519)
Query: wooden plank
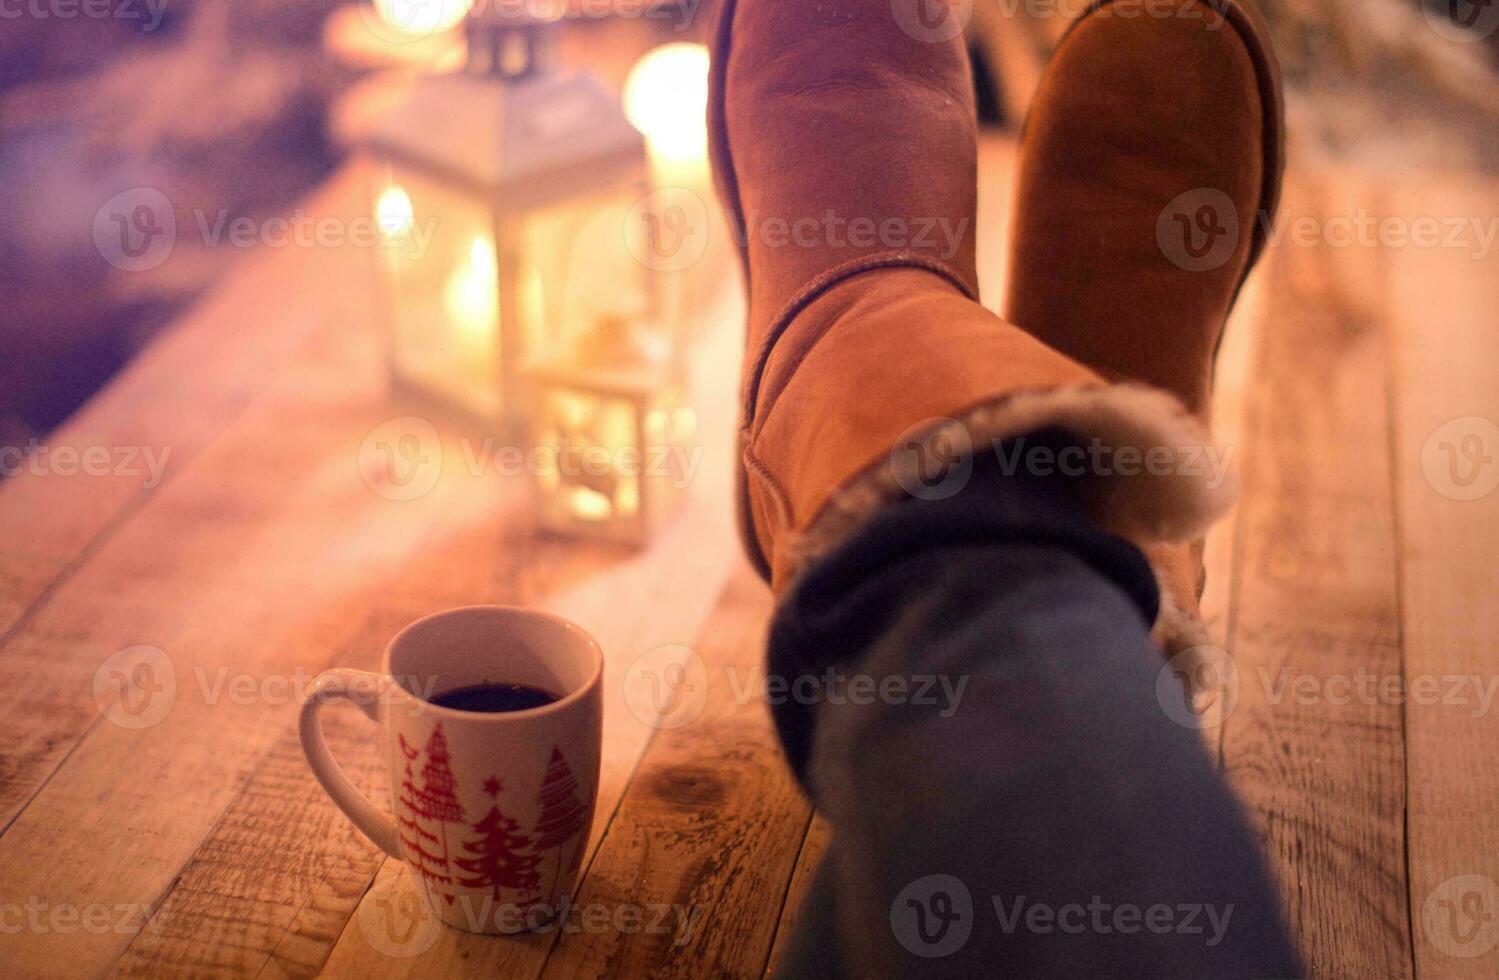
(1446, 394)
(286, 924)
(288, 553)
(709, 829)
(246, 594)
(814, 846)
(156, 415)
(1315, 599)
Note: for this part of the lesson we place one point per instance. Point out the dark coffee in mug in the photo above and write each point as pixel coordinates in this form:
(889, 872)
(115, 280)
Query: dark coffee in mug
(494, 698)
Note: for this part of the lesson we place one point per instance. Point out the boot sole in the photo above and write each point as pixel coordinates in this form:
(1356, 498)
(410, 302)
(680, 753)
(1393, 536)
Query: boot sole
(1247, 21)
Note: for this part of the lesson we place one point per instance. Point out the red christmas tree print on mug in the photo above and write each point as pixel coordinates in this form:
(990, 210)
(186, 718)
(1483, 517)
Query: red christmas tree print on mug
(497, 856)
(562, 816)
(430, 807)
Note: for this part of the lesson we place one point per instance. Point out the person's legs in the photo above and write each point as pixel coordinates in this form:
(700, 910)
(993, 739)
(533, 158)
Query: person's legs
(1020, 769)
(1056, 785)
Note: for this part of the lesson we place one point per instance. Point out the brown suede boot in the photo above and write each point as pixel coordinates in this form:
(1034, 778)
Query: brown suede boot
(844, 152)
(1149, 173)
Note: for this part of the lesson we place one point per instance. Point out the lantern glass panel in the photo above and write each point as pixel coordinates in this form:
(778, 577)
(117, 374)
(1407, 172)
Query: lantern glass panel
(575, 268)
(442, 264)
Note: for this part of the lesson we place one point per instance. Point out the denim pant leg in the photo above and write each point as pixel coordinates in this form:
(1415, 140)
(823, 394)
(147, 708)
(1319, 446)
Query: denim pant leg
(1038, 813)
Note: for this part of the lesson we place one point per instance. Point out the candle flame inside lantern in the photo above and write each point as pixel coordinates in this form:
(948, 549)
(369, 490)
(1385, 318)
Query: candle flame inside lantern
(471, 296)
(394, 212)
(423, 18)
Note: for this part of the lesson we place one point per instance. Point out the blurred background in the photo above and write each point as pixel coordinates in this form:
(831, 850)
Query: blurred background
(241, 108)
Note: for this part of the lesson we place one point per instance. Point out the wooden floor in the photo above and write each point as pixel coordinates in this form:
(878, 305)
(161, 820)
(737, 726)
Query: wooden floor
(1353, 387)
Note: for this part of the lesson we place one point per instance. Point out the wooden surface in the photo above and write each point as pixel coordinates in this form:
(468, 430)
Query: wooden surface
(267, 552)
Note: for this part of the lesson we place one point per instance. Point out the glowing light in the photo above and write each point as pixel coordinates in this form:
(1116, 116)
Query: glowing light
(684, 425)
(627, 497)
(393, 211)
(589, 505)
(471, 296)
(666, 98)
(422, 18)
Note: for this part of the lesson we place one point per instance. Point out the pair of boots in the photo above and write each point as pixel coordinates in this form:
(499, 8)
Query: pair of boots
(844, 147)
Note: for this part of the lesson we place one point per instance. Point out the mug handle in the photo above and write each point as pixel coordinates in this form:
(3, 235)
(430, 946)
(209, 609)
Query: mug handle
(330, 686)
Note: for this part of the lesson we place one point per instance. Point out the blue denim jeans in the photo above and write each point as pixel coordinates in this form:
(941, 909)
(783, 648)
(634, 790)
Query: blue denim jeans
(1009, 795)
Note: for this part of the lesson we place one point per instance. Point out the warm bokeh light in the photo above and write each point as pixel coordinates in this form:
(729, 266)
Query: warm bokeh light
(471, 298)
(394, 212)
(422, 18)
(666, 98)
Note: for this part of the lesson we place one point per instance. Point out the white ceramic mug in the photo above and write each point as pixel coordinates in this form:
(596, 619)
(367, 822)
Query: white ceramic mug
(492, 810)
